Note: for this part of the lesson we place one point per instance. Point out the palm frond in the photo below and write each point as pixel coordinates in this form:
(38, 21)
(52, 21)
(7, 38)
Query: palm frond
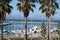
(56, 5)
(44, 10)
(20, 8)
(31, 9)
(41, 1)
(52, 12)
(8, 11)
(33, 1)
(7, 1)
(33, 5)
(0, 10)
(21, 0)
(9, 6)
(41, 7)
(19, 4)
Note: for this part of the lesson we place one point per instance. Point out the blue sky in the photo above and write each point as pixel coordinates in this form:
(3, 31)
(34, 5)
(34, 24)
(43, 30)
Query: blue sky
(37, 15)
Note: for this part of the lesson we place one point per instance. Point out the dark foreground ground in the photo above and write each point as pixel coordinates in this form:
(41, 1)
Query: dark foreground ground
(32, 39)
(23, 39)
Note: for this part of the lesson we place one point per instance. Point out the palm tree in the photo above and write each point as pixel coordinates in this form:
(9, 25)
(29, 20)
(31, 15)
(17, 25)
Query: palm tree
(25, 6)
(43, 29)
(49, 7)
(4, 8)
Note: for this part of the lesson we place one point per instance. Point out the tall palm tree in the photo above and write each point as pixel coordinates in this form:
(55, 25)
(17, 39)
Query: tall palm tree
(25, 6)
(49, 7)
(4, 8)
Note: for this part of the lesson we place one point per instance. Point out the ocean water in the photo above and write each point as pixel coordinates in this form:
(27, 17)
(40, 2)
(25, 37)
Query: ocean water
(17, 25)
(20, 26)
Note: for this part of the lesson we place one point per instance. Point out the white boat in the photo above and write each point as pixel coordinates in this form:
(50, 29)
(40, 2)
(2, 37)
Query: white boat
(16, 31)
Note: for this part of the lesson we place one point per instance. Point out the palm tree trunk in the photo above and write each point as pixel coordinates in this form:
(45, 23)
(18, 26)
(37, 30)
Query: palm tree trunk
(25, 28)
(49, 37)
(2, 17)
(31, 30)
(1, 29)
(1, 32)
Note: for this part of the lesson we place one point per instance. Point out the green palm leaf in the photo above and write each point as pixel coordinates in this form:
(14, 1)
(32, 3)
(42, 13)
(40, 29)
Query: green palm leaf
(19, 4)
(56, 5)
(33, 5)
(41, 7)
(9, 6)
(0, 10)
(6, 8)
(44, 10)
(7, 1)
(31, 9)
